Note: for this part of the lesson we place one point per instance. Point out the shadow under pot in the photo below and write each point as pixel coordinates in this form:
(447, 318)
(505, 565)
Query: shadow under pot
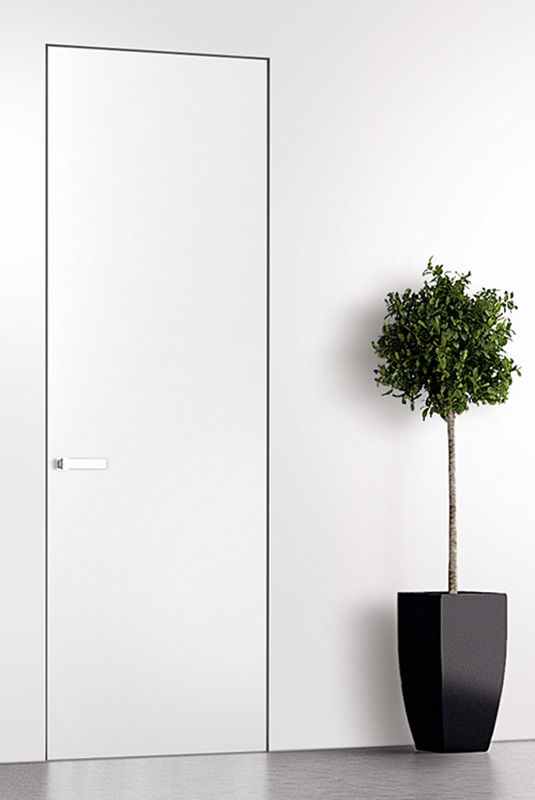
(452, 651)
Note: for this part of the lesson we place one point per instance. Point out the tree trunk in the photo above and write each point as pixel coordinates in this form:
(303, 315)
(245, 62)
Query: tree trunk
(452, 567)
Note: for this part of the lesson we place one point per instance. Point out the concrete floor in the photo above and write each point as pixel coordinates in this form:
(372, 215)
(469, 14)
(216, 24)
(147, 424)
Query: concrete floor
(506, 773)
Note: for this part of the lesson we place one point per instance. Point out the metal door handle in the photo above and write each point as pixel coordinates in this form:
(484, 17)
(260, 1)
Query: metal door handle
(65, 462)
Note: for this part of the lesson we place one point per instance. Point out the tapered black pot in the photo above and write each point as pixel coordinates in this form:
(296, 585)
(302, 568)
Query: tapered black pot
(452, 662)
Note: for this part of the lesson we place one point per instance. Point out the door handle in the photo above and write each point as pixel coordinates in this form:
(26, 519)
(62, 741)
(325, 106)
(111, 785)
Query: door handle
(65, 462)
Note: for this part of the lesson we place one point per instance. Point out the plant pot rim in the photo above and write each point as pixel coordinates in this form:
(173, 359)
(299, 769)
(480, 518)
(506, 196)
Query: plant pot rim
(452, 594)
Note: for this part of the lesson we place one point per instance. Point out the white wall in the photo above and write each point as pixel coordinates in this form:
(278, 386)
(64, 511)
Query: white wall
(399, 130)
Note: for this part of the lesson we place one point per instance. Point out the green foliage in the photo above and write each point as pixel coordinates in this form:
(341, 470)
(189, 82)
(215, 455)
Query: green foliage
(446, 347)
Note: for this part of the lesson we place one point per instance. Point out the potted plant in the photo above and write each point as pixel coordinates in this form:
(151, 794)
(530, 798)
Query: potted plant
(443, 348)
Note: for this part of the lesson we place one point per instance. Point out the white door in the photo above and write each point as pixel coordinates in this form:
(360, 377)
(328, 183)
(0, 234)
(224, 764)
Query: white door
(156, 364)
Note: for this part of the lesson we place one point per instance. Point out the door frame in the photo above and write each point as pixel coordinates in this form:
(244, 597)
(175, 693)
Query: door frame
(47, 462)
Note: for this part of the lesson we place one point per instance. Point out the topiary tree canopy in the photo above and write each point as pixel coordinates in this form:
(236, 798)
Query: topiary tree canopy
(443, 348)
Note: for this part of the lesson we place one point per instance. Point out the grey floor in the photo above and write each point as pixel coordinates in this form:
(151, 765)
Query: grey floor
(507, 772)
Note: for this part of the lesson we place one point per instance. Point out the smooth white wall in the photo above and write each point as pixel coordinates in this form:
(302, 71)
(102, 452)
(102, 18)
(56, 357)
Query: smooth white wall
(399, 130)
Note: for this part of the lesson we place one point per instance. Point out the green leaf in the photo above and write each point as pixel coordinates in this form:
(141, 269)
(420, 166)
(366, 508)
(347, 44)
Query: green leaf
(446, 346)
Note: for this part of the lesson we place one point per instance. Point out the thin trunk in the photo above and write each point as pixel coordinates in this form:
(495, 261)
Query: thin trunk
(452, 567)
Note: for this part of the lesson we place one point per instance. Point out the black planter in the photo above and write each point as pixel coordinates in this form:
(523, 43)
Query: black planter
(452, 663)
